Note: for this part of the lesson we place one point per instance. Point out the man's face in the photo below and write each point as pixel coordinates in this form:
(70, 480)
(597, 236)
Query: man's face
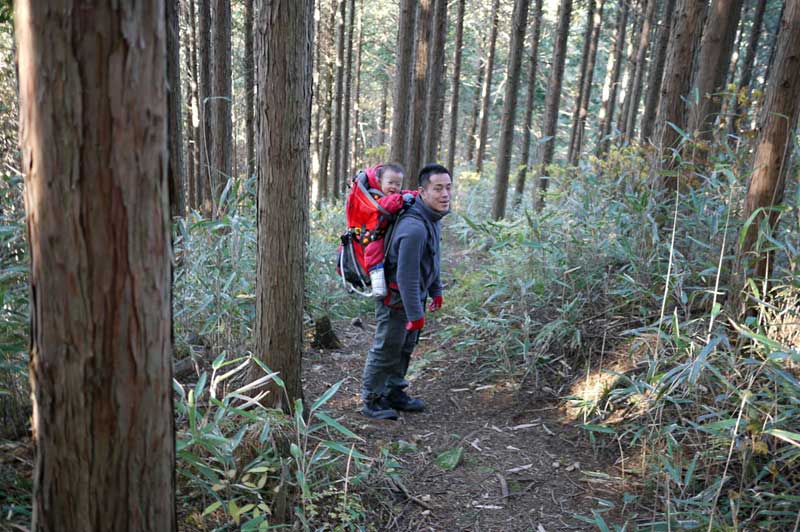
(436, 193)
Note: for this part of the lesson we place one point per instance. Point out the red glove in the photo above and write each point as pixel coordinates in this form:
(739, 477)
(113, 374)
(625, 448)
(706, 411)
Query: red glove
(436, 303)
(416, 325)
(392, 202)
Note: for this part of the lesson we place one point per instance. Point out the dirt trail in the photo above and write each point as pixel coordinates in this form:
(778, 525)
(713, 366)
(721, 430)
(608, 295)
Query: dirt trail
(523, 464)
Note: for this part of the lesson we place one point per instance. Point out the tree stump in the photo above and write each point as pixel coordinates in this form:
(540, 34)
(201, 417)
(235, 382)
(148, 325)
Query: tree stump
(324, 337)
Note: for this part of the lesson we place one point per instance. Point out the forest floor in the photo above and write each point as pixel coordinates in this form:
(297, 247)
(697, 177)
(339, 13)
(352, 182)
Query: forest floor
(525, 464)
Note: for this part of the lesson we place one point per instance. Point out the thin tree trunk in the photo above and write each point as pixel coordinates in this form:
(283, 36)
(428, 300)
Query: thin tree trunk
(612, 79)
(191, 95)
(326, 141)
(520, 22)
(773, 148)
(338, 106)
(175, 168)
(206, 137)
(531, 98)
(486, 91)
(249, 89)
(435, 108)
(656, 73)
(384, 112)
(587, 40)
(773, 44)
(451, 144)
(747, 67)
(473, 125)
(285, 41)
(641, 65)
(416, 139)
(344, 170)
(403, 79)
(93, 115)
(357, 100)
(553, 99)
(630, 74)
(221, 105)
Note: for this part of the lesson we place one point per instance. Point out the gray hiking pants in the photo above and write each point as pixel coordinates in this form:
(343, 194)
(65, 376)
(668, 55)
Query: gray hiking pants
(387, 361)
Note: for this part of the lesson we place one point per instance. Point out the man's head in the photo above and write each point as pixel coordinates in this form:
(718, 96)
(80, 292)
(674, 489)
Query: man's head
(390, 176)
(435, 184)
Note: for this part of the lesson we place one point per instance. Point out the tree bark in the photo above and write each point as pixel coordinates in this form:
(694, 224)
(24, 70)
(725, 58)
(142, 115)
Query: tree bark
(329, 106)
(587, 40)
(675, 85)
(93, 118)
(630, 73)
(747, 66)
(249, 89)
(175, 167)
(486, 91)
(436, 84)
(553, 99)
(190, 89)
(285, 35)
(713, 61)
(451, 141)
(773, 148)
(357, 100)
(476, 105)
(384, 112)
(656, 74)
(531, 98)
(641, 65)
(773, 44)
(403, 79)
(344, 170)
(416, 138)
(221, 104)
(338, 106)
(519, 21)
(611, 84)
(206, 137)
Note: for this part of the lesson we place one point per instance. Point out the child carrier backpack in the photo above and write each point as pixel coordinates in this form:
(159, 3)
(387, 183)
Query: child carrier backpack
(364, 216)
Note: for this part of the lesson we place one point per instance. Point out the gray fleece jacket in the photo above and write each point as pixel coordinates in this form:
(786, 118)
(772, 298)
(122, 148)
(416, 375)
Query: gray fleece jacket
(413, 259)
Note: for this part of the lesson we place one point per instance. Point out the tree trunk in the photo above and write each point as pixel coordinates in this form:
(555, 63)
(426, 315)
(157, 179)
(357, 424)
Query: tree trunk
(436, 83)
(93, 114)
(630, 75)
(451, 141)
(357, 100)
(329, 106)
(610, 86)
(553, 99)
(336, 144)
(585, 96)
(519, 21)
(190, 89)
(384, 112)
(175, 168)
(747, 66)
(526, 130)
(656, 74)
(675, 85)
(486, 91)
(403, 79)
(773, 44)
(221, 105)
(713, 61)
(641, 65)
(476, 105)
(773, 148)
(344, 170)
(587, 40)
(249, 89)
(206, 137)
(285, 40)
(416, 139)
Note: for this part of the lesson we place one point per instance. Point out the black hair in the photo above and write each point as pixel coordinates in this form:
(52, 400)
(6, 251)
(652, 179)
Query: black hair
(432, 169)
(394, 167)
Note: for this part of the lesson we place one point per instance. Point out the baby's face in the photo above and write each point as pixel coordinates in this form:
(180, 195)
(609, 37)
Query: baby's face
(391, 182)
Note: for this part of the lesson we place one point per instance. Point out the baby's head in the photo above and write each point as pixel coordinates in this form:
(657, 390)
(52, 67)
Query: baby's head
(390, 176)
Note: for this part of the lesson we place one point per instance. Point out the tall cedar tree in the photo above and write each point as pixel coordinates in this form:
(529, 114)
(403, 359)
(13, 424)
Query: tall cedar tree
(435, 110)
(520, 21)
(459, 45)
(476, 106)
(416, 138)
(249, 89)
(382, 125)
(630, 67)
(356, 158)
(531, 98)
(221, 104)
(611, 85)
(640, 62)
(175, 169)
(190, 90)
(771, 163)
(94, 148)
(347, 103)
(587, 40)
(747, 67)
(774, 43)
(486, 90)
(585, 95)
(207, 137)
(713, 59)
(675, 85)
(553, 98)
(284, 41)
(338, 102)
(403, 79)
(327, 105)
(656, 73)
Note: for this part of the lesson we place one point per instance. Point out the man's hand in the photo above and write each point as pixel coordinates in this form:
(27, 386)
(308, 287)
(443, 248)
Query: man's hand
(436, 303)
(416, 325)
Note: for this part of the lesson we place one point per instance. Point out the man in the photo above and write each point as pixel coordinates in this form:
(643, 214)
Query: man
(412, 272)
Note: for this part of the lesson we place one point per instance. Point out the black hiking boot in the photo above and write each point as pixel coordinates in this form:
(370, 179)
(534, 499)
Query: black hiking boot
(400, 400)
(378, 409)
